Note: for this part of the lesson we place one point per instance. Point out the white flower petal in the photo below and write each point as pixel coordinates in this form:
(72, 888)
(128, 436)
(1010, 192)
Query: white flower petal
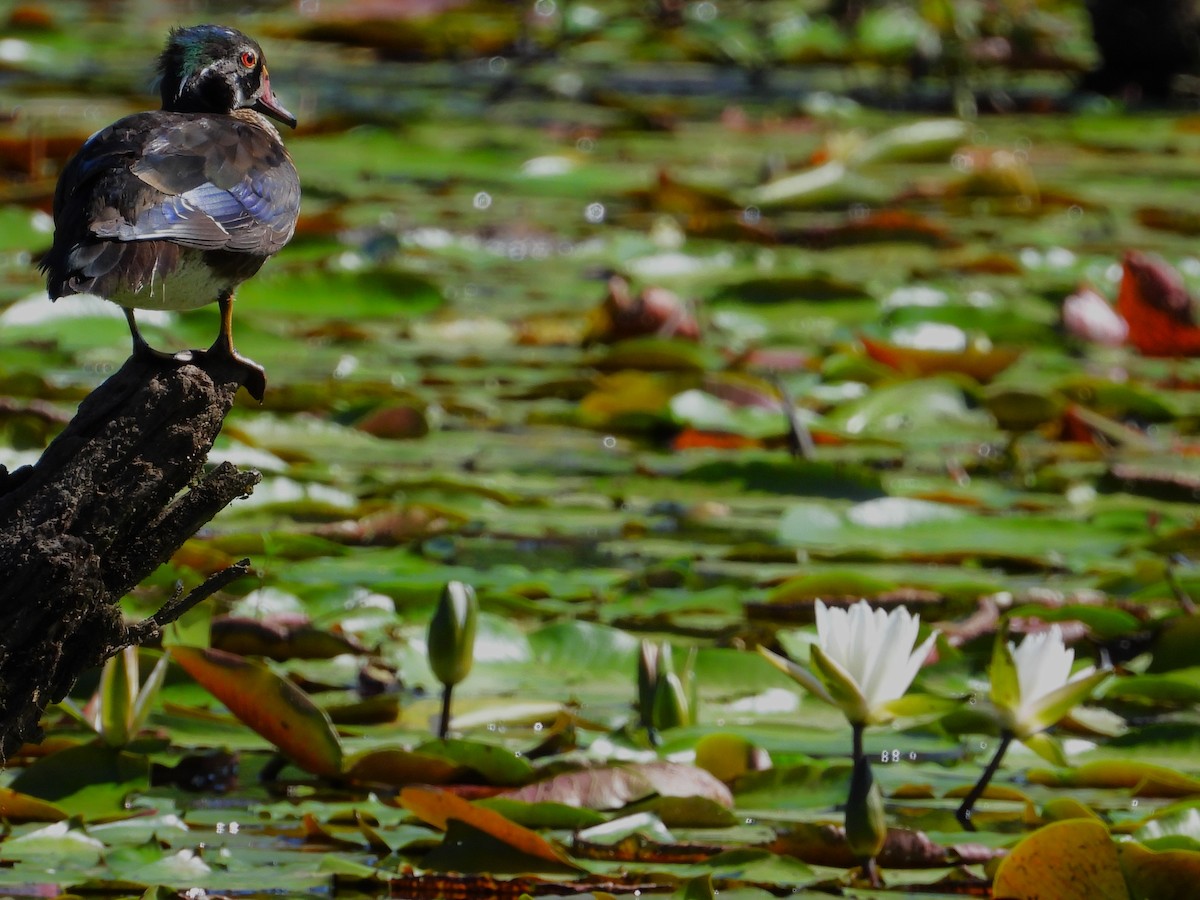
(895, 642)
(1029, 658)
(829, 634)
(870, 654)
(915, 660)
(1043, 666)
(862, 642)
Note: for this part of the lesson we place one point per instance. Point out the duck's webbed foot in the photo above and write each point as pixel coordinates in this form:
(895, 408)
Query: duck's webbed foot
(255, 381)
(255, 377)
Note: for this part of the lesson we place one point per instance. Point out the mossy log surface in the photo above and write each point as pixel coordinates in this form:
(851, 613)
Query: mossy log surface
(113, 497)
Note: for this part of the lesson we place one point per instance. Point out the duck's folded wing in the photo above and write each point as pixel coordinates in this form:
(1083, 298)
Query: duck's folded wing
(225, 186)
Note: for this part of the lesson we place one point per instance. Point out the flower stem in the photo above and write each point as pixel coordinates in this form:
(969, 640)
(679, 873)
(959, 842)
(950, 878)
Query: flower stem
(871, 870)
(444, 722)
(859, 808)
(964, 812)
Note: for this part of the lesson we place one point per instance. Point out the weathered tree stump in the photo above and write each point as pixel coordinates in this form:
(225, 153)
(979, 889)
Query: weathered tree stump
(113, 497)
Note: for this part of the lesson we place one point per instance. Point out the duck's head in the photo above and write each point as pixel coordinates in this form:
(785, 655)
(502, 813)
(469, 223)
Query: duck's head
(214, 69)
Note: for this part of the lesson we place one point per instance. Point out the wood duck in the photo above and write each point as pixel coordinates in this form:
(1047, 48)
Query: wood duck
(173, 209)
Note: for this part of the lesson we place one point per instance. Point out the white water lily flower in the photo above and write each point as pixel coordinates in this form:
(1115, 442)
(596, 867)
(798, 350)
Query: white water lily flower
(1032, 688)
(863, 660)
(1032, 685)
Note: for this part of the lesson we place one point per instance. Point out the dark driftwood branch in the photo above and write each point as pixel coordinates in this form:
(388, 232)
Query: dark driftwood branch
(151, 627)
(113, 497)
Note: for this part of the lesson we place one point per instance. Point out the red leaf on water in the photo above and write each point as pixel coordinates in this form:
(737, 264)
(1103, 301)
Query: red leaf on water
(1157, 307)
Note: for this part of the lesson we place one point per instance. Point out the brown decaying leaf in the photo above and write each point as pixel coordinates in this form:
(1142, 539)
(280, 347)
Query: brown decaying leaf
(654, 311)
(328, 222)
(991, 172)
(873, 227)
(395, 423)
(638, 849)
(981, 364)
(37, 409)
(1162, 218)
(408, 29)
(396, 766)
(975, 262)
(485, 887)
(612, 787)
(825, 845)
(279, 638)
(984, 621)
(372, 10)
(669, 195)
(26, 152)
(391, 526)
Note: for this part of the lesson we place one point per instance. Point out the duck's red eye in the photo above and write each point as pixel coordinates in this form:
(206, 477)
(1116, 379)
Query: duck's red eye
(249, 59)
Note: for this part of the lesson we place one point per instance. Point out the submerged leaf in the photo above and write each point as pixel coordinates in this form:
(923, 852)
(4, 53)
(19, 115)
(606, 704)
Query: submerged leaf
(443, 810)
(468, 847)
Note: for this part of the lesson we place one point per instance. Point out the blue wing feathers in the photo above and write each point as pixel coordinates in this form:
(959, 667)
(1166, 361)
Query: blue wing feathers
(231, 187)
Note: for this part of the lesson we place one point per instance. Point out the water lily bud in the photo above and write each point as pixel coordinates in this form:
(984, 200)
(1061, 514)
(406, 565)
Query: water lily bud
(866, 827)
(451, 642)
(647, 675)
(667, 698)
(671, 707)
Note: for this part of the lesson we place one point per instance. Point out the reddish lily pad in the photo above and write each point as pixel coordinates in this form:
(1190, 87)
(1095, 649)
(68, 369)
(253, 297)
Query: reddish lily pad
(271, 705)
(18, 807)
